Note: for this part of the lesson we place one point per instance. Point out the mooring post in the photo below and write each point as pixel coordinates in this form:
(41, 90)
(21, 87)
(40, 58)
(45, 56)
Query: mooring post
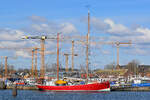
(14, 90)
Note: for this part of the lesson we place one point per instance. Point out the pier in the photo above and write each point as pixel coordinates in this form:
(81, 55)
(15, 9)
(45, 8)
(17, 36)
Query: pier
(129, 88)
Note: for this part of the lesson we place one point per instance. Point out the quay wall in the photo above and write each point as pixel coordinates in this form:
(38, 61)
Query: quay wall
(130, 88)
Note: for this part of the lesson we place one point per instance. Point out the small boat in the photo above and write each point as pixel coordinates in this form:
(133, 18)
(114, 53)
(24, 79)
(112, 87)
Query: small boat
(20, 83)
(103, 86)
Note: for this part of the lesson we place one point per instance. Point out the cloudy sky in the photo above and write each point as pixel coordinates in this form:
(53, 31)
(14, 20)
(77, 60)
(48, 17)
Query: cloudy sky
(111, 21)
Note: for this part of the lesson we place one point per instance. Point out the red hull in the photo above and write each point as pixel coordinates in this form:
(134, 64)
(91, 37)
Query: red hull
(88, 87)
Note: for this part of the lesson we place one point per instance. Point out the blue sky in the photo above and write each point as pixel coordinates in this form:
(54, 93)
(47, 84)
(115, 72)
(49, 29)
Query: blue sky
(111, 21)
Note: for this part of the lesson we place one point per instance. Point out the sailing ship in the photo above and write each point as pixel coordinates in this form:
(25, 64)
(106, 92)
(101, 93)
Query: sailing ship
(66, 85)
(103, 86)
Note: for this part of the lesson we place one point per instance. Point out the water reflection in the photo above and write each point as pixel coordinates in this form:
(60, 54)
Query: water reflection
(75, 92)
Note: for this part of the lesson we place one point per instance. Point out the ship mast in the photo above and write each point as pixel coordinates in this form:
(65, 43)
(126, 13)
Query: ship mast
(87, 47)
(72, 55)
(57, 56)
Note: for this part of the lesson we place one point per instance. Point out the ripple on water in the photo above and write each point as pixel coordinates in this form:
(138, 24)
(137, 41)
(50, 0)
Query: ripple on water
(47, 95)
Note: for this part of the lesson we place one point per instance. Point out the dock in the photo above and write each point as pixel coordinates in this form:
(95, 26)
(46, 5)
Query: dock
(23, 87)
(129, 88)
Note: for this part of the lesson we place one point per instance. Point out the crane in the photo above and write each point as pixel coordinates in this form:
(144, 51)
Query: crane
(33, 49)
(6, 63)
(42, 38)
(73, 55)
(118, 46)
(108, 43)
(66, 55)
(34, 66)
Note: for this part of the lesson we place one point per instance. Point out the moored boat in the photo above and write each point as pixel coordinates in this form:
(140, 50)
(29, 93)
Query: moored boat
(103, 86)
(63, 85)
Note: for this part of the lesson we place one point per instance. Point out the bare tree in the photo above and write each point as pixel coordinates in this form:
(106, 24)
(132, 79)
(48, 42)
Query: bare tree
(110, 66)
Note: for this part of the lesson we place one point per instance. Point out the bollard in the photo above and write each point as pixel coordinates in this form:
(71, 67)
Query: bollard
(14, 90)
(2, 85)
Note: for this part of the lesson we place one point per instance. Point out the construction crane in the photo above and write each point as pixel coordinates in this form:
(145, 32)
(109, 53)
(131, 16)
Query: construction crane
(73, 55)
(118, 46)
(34, 66)
(34, 57)
(42, 38)
(33, 49)
(66, 56)
(72, 68)
(6, 63)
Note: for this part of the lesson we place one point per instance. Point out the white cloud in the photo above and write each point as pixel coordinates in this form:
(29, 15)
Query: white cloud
(109, 26)
(98, 24)
(136, 51)
(22, 54)
(9, 34)
(105, 52)
(65, 28)
(68, 28)
(11, 39)
(116, 28)
(145, 34)
(122, 33)
(35, 18)
(11, 44)
(44, 26)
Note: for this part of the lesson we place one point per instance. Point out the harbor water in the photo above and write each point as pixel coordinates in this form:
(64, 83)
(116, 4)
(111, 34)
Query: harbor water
(47, 95)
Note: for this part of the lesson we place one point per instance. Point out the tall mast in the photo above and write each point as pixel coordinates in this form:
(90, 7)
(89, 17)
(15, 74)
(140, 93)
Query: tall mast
(35, 66)
(87, 47)
(72, 55)
(57, 56)
(42, 57)
(6, 71)
(32, 72)
(2, 66)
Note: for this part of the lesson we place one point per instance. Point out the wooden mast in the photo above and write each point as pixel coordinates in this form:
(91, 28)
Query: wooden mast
(42, 57)
(57, 56)
(72, 55)
(35, 66)
(6, 71)
(2, 66)
(87, 47)
(32, 69)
